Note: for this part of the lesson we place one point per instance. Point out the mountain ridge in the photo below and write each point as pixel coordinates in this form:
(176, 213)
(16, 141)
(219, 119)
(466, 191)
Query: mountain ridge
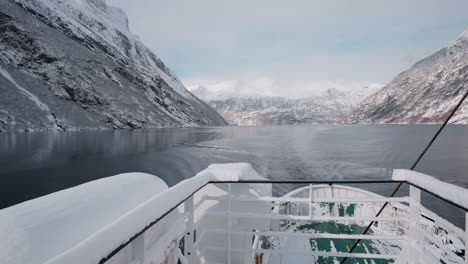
(326, 108)
(81, 60)
(425, 93)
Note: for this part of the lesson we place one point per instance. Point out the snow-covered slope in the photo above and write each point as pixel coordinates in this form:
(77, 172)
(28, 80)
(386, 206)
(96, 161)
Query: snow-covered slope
(426, 93)
(74, 64)
(329, 107)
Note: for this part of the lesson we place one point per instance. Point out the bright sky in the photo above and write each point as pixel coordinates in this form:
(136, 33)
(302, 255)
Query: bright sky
(293, 48)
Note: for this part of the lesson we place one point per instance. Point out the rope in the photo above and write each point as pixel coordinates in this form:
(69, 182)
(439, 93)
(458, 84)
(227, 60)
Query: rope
(412, 168)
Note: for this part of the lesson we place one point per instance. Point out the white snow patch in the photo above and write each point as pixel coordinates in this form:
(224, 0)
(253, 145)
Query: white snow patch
(448, 191)
(30, 96)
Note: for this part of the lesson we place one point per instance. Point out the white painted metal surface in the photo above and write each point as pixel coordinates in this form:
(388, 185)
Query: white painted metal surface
(231, 223)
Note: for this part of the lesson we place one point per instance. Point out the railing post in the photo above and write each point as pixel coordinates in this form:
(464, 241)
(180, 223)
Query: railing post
(415, 199)
(311, 200)
(188, 242)
(229, 225)
(466, 237)
(138, 248)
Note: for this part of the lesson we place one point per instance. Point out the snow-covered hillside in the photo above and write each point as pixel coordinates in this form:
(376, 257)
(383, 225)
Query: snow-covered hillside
(74, 64)
(329, 107)
(426, 93)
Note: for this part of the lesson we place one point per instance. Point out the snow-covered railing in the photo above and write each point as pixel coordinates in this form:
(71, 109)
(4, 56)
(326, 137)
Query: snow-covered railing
(224, 214)
(231, 220)
(106, 217)
(454, 194)
(428, 231)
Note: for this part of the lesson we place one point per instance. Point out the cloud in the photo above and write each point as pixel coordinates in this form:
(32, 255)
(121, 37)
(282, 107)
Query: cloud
(266, 86)
(262, 86)
(293, 47)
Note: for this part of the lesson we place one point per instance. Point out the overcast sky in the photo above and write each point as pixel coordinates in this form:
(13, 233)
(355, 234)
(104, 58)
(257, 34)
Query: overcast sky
(293, 48)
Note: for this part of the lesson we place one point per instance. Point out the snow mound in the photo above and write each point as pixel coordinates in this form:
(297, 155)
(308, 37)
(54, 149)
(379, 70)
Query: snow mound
(445, 190)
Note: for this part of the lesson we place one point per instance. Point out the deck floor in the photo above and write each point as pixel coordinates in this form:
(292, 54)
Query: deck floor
(330, 245)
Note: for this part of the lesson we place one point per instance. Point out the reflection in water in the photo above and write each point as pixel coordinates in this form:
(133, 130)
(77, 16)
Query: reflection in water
(35, 164)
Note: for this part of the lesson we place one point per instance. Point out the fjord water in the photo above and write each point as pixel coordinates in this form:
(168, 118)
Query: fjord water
(38, 163)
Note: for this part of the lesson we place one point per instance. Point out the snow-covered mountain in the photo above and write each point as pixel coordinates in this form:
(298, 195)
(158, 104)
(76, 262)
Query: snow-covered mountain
(74, 64)
(329, 107)
(426, 93)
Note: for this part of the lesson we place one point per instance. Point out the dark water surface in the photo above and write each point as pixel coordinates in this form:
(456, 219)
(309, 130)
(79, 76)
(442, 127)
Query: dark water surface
(35, 164)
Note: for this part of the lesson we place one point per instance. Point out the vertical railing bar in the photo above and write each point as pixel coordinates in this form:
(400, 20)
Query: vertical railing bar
(415, 198)
(229, 225)
(311, 201)
(188, 241)
(466, 237)
(181, 257)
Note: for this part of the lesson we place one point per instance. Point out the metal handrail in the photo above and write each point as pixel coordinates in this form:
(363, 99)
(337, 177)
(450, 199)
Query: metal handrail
(104, 260)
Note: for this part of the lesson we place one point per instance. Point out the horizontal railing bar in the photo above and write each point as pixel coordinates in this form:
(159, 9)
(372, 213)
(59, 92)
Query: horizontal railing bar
(309, 253)
(307, 200)
(438, 196)
(309, 181)
(441, 221)
(440, 245)
(308, 218)
(310, 235)
(342, 182)
(364, 200)
(259, 199)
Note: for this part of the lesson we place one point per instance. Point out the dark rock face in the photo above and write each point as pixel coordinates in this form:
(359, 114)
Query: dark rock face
(426, 93)
(67, 66)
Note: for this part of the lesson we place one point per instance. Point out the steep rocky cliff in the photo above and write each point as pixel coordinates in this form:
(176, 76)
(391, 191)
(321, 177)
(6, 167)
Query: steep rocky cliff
(426, 93)
(74, 64)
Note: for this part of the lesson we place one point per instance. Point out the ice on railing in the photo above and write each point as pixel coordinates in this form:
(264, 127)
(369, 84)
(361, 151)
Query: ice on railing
(453, 193)
(86, 223)
(40, 229)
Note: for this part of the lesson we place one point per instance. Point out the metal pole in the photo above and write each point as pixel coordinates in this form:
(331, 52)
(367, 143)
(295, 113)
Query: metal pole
(229, 225)
(466, 237)
(310, 201)
(188, 242)
(415, 199)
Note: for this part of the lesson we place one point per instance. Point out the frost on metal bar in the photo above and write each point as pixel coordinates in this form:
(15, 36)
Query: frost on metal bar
(453, 193)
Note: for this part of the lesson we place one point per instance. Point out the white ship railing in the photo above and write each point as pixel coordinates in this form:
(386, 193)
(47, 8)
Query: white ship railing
(228, 214)
(222, 222)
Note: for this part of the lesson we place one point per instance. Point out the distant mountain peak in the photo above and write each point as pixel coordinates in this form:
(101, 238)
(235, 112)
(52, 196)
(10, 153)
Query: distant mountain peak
(461, 42)
(101, 4)
(328, 107)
